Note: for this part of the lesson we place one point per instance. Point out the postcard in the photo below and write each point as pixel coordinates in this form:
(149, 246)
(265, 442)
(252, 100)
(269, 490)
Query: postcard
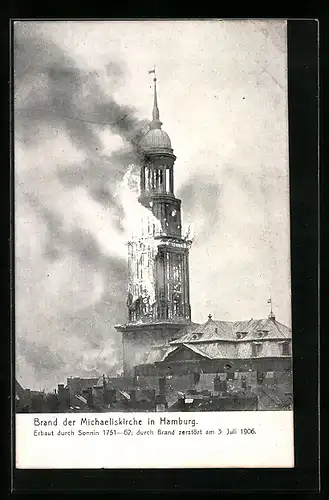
(152, 244)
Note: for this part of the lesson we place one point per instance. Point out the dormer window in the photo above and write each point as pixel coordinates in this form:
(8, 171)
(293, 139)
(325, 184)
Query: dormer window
(262, 333)
(216, 330)
(241, 335)
(195, 336)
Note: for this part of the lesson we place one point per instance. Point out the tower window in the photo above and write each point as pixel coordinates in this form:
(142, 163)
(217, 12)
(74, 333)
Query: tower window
(176, 306)
(285, 348)
(255, 349)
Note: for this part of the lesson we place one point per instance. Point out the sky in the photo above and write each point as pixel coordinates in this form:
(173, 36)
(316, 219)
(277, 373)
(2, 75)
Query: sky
(83, 98)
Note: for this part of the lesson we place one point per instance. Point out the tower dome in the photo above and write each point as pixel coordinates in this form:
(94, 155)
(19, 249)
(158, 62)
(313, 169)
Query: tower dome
(156, 139)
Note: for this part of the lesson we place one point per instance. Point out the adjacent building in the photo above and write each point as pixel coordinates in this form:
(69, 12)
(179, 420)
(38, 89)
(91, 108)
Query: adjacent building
(263, 344)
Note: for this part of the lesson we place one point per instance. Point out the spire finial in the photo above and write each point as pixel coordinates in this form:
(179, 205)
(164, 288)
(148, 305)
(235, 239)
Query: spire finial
(271, 315)
(155, 123)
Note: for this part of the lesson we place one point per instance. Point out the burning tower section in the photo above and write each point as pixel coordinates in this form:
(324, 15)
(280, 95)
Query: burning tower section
(158, 297)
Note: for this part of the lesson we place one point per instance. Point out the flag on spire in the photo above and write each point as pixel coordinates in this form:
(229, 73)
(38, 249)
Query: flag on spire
(151, 71)
(269, 301)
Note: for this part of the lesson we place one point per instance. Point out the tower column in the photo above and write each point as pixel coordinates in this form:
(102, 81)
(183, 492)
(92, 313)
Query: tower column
(171, 180)
(164, 179)
(148, 178)
(143, 179)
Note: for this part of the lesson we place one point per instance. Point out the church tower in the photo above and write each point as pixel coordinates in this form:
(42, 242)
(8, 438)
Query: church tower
(158, 297)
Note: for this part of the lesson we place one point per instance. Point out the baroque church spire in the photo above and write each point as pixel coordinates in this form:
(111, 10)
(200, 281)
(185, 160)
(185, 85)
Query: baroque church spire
(156, 123)
(158, 295)
(156, 140)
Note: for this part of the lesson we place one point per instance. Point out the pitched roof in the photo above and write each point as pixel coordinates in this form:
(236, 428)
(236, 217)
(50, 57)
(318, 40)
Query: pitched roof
(237, 331)
(215, 350)
(196, 349)
(158, 353)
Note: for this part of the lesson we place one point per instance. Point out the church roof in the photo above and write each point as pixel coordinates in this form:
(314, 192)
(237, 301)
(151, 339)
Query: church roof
(237, 331)
(207, 339)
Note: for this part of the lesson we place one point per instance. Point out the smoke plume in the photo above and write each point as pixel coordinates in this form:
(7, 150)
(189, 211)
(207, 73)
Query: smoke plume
(70, 241)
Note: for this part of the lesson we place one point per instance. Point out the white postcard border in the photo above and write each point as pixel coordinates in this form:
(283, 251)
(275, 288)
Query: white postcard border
(240, 440)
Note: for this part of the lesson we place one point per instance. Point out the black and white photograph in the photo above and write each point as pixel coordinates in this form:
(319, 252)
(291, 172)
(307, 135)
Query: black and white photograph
(152, 244)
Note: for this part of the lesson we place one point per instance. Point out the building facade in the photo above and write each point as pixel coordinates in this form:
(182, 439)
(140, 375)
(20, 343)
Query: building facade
(158, 296)
(224, 346)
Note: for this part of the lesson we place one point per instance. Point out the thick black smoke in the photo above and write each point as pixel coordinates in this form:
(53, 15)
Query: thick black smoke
(53, 95)
(53, 92)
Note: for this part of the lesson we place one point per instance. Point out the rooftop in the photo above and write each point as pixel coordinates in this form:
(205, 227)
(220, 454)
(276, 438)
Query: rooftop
(236, 331)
